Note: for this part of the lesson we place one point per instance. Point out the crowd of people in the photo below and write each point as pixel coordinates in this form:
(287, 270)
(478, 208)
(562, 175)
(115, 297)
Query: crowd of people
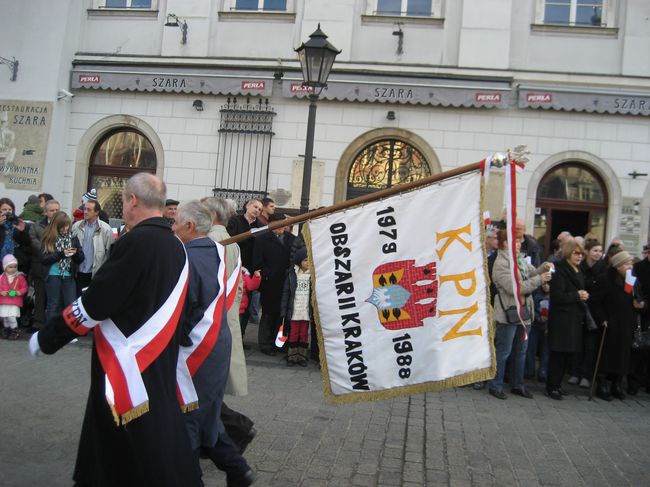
(47, 259)
(580, 310)
(168, 339)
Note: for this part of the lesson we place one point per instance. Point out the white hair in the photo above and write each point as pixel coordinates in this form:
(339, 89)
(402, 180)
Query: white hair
(220, 208)
(196, 212)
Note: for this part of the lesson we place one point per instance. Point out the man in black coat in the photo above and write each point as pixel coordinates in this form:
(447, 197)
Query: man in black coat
(271, 256)
(529, 246)
(146, 273)
(240, 224)
(243, 223)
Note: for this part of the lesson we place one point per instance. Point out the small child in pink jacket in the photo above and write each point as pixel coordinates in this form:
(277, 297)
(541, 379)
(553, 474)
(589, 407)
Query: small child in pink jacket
(13, 286)
(251, 283)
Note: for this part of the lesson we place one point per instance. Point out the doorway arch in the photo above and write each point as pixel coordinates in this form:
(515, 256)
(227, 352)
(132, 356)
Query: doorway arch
(592, 192)
(383, 158)
(141, 150)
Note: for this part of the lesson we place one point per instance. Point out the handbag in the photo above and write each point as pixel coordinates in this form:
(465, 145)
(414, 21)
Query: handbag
(512, 317)
(590, 323)
(641, 340)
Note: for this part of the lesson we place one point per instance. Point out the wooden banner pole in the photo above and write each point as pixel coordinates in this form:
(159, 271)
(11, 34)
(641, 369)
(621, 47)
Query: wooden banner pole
(367, 198)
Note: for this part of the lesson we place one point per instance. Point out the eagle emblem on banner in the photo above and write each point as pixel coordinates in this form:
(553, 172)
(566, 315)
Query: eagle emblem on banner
(404, 294)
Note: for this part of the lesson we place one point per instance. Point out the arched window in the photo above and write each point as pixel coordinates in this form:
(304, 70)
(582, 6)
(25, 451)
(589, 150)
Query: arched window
(118, 155)
(571, 197)
(384, 164)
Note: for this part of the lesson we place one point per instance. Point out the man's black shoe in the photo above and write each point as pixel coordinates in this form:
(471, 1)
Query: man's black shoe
(268, 351)
(522, 393)
(562, 391)
(554, 394)
(498, 394)
(244, 481)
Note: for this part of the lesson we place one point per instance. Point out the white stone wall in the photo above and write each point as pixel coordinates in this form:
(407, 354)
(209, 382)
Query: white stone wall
(457, 136)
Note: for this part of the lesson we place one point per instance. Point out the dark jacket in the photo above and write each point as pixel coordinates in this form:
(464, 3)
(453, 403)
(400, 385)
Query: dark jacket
(21, 247)
(271, 256)
(592, 273)
(612, 304)
(531, 248)
(49, 258)
(143, 268)
(566, 313)
(239, 224)
(36, 236)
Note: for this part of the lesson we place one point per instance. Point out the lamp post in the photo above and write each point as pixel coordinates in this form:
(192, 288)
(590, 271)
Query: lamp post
(316, 59)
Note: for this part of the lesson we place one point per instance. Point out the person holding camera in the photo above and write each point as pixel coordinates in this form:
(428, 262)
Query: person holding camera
(510, 327)
(14, 236)
(61, 253)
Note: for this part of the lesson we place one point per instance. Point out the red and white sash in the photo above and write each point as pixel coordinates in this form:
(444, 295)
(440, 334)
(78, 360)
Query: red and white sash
(204, 334)
(125, 358)
(233, 283)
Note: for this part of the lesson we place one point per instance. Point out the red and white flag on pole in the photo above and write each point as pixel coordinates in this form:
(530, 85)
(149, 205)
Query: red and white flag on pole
(280, 339)
(630, 280)
(511, 168)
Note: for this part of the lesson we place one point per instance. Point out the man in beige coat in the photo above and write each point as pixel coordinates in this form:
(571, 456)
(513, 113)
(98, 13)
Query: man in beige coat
(239, 427)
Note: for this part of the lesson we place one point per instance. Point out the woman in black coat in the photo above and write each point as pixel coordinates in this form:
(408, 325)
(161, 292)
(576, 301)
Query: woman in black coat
(565, 317)
(592, 266)
(613, 308)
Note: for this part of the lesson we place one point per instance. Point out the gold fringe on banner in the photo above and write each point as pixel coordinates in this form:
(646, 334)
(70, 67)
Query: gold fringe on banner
(484, 374)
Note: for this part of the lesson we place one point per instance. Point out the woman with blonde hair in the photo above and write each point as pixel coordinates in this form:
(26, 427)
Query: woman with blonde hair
(566, 316)
(61, 253)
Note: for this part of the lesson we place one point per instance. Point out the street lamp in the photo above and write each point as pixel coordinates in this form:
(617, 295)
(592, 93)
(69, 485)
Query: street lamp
(316, 59)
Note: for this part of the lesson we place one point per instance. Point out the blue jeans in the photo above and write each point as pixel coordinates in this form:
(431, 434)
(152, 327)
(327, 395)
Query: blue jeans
(61, 291)
(255, 307)
(504, 338)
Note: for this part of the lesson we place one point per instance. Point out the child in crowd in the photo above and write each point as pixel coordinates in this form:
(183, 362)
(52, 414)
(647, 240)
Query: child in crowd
(296, 308)
(250, 284)
(13, 286)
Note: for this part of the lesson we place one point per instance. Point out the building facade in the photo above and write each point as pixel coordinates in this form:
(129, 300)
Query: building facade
(208, 94)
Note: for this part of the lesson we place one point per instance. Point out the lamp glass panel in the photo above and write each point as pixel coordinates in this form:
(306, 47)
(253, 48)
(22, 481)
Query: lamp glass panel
(313, 61)
(115, 3)
(246, 5)
(389, 7)
(419, 7)
(275, 5)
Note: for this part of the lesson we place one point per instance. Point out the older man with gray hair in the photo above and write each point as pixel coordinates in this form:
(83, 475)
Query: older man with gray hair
(207, 352)
(239, 426)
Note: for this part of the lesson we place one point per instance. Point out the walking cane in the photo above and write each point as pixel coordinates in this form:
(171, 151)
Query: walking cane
(600, 351)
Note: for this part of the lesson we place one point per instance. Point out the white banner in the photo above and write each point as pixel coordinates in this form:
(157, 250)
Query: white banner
(401, 293)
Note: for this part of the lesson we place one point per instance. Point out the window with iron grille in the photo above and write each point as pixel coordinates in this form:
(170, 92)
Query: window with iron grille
(245, 133)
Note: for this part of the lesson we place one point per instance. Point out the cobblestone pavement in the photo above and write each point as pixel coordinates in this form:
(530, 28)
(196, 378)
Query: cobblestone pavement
(458, 437)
